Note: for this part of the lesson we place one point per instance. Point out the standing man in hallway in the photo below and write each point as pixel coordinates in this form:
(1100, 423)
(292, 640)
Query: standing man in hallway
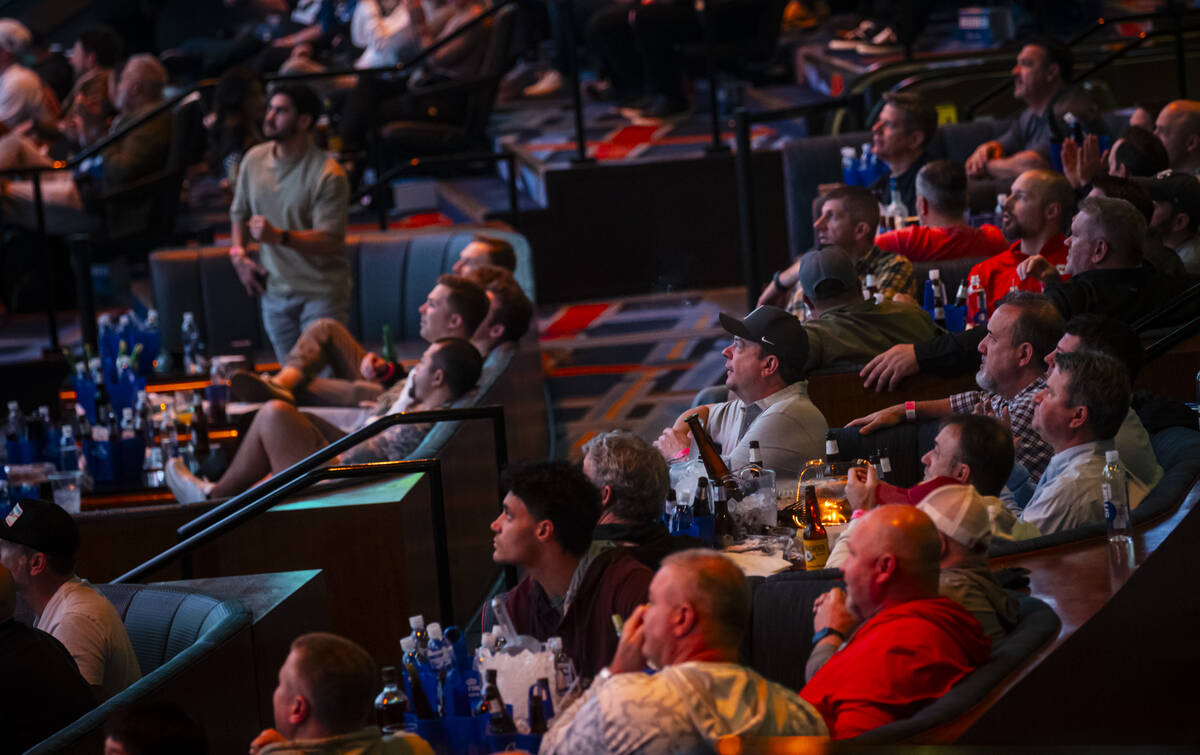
(293, 201)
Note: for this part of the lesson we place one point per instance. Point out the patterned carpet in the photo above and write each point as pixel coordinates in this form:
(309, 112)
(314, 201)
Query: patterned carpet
(633, 363)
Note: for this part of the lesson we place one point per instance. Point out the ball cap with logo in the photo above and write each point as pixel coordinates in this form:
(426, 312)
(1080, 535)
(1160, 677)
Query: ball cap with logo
(777, 331)
(42, 526)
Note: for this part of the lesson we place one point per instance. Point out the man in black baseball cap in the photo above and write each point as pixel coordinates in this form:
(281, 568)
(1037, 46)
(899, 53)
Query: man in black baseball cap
(1177, 214)
(38, 541)
(765, 373)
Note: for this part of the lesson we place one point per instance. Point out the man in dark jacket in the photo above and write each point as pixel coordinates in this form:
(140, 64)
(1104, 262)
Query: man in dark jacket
(632, 479)
(572, 586)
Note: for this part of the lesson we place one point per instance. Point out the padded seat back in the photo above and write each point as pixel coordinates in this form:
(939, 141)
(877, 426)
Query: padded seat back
(1038, 625)
(162, 622)
(392, 273)
(779, 638)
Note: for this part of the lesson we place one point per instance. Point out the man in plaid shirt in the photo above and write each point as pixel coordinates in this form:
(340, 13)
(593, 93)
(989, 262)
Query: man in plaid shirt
(849, 218)
(1025, 328)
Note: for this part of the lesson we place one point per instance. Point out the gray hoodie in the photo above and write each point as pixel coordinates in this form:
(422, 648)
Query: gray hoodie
(685, 708)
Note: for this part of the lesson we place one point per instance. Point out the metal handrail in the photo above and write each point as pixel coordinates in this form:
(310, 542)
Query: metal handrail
(429, 161)
(441, 544)
(1147, 321)
(1172, 339)
(1176, 31)
(493, 412)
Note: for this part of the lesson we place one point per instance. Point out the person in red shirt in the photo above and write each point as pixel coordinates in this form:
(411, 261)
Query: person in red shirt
(943, 234)
(888, 645)
(1040, 203)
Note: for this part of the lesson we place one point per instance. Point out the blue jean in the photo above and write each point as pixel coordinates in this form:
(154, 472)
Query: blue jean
(286, 317)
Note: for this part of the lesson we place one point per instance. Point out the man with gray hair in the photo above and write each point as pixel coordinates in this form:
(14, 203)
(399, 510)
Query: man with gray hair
(942, 232)
(1025, 328)
(1105, 262)
(632, 478)
(1080, 411)
(691, 629)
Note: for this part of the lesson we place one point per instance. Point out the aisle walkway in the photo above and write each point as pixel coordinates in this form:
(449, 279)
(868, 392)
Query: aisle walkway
(633, 363)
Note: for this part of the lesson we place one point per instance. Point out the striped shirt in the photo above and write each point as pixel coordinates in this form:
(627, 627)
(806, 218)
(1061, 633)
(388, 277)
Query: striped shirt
(1032, 452)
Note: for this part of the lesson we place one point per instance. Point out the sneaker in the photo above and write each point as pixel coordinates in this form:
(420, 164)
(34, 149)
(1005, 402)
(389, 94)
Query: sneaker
(849, 39)
(884, 43)
(248, 386)
(187, 487)
(549, 82)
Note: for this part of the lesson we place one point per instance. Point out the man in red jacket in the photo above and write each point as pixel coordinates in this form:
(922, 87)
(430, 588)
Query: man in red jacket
(573, 585)
(1038, 209)
(888, 645)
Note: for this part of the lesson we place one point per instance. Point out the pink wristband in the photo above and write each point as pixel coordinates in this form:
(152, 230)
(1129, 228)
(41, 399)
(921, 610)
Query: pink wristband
(910, 410)
(683, 452)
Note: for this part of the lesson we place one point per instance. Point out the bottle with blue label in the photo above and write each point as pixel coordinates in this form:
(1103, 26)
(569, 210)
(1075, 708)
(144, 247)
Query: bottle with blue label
(1115, 493)
(850, 175)
(441, 659)
(68, 452)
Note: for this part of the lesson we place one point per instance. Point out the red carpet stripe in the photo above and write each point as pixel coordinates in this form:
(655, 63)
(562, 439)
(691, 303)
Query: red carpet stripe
(573, 320)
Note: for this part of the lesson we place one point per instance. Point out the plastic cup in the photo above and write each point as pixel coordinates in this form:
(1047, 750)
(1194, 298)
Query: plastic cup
(67, 492)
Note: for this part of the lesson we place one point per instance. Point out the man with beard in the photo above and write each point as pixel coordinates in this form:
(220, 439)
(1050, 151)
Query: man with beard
(293, 201)
(1025, 328)
(1034, 215)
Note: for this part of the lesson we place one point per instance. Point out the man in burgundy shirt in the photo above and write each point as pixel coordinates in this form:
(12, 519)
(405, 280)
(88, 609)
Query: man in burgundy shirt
(572, 586)
(1040, 204)
(943, 233)
(888, 646)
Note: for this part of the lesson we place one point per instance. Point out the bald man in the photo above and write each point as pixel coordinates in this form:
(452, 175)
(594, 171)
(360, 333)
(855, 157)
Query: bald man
(888, 645)
(691, 629)
(42, 689)
(1178, 128)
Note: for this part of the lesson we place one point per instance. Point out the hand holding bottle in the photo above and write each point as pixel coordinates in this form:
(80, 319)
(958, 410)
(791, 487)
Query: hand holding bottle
(629, 655)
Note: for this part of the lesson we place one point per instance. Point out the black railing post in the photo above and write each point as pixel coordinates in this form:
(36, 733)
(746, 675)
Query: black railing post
(47, 261)
(572, 59)
(513, 194)
(79, 246)
(441, 541)
(1180, 56)
(746, 214)
(717, 146)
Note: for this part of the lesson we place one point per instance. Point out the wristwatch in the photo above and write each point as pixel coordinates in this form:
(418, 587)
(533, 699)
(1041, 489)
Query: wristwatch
(825, 633)
(285, 238)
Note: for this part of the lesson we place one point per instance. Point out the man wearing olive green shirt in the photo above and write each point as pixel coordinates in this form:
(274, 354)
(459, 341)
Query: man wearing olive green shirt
(292, 200)
(845, 328)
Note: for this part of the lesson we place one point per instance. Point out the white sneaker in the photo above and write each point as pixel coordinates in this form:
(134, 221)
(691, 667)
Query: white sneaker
(548, 83)
(187, 487)
(885, 42)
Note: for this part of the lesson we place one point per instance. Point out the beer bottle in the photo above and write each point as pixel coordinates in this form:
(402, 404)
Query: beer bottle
(537, 707)
(499, 722)
(831, 452)
(391, 704)
(755, 465)
(722, 521)
(718, 471)
(387, 350)
(702, 512)
(816, 541)
(885, 464)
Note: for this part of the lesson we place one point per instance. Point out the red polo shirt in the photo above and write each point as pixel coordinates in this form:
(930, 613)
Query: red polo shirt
(998, 274)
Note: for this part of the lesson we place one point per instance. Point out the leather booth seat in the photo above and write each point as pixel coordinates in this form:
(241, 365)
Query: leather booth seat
(392, 272)
(174, 632)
